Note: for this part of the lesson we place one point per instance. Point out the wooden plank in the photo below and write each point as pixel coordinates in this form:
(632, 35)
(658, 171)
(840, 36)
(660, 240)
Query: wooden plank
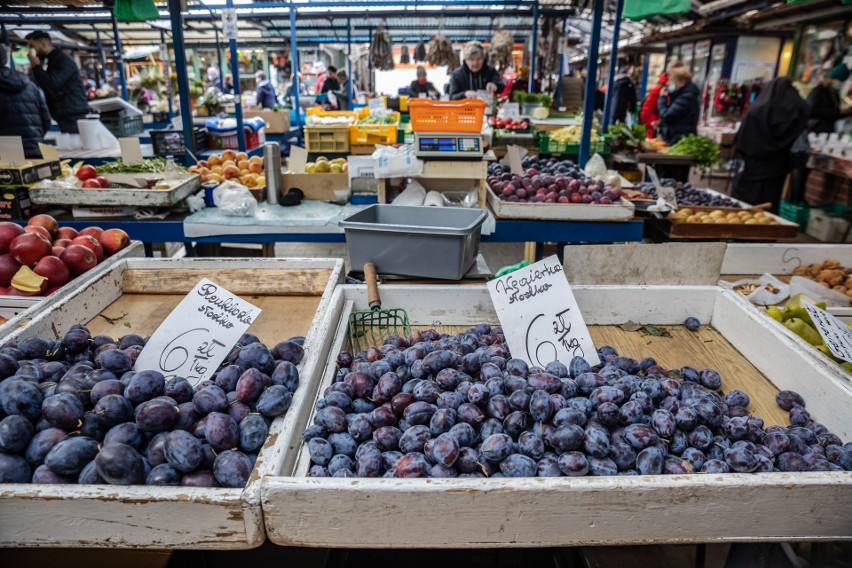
(455, 169)
(284, 281)
(640, 264)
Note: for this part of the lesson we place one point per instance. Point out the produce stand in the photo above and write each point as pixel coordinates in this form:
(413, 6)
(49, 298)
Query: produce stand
(183, 185)
(735, 339)
(621, 211)
(35, 515)
(681, 230)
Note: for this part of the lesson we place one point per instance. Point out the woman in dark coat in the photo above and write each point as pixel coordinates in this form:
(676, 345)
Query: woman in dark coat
(22, 108)
(623, 95)
(679, 109)
(768, 130)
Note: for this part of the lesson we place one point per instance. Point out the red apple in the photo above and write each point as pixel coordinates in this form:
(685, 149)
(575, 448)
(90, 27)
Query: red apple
(62, 242)
(91, 231)
(56, 271)
(3, 291)
(12, 291)
(79, 259)
(8, 268)
(90, 243)
(29, 248)
(66, 233)
(47, 222)
(8, 232)
(113, 240)
(39, 230)
(57, 250)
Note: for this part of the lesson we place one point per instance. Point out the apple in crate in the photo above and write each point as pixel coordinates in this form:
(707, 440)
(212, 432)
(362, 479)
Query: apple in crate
(91, 243)
(8, 268)
(79, 259)
(46, 221)
(39, 230)
(52, 268)
(8, 232)
(66, 233)
(91, 231)
(29, 248)
(113, 240)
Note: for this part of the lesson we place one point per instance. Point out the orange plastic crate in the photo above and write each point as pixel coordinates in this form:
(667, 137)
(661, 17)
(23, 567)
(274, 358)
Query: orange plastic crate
(446, 116)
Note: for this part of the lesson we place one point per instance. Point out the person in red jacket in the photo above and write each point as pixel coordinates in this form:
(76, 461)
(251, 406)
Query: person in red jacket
(649, 114)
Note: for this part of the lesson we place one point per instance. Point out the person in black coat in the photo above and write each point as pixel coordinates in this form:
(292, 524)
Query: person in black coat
(23, 108)
(679, 109)
(474, 74)
(764, 139)
(422, 86)
(623, 96)
(825, 101)
(63, 90)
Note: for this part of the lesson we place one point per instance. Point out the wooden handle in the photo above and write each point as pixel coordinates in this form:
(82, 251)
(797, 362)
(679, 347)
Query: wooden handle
(372, 279)
(763, 206)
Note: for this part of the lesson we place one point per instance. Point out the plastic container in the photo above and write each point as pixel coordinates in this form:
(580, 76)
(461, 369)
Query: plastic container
(372, 134)
(122, 125)
(331, 139)
(796, 213)
(547, 145)
(428, 242)
(447, 116)
(170, 142)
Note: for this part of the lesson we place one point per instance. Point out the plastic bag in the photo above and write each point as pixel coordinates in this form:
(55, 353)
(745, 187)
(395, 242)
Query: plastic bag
(235, 200)
(396, 161)
(595, 167)
(414, 194)
(801, 285)
(763, 294)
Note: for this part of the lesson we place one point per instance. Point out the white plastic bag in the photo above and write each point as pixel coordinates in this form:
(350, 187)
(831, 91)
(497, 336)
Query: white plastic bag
(595, 167)
(235, 200)
(802, 285)
(413, 194)
(763, 294)
(396, 161)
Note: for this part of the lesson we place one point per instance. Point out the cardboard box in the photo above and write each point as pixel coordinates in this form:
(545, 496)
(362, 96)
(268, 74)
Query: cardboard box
(277, 122)
(826, 228)
(15, 203)
(33, 171)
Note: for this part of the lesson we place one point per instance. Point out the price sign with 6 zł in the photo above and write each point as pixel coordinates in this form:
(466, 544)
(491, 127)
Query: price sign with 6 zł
(199, 333)
(540, 316)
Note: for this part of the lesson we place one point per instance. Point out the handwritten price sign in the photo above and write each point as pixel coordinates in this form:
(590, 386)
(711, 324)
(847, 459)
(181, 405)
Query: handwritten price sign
(837, 335)
(198, 334)
(540, 316)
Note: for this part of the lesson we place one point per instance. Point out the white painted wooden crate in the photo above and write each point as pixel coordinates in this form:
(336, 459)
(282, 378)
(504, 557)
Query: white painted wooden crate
(21, 309)
(40, 515)
(780, 259)
(535, 512)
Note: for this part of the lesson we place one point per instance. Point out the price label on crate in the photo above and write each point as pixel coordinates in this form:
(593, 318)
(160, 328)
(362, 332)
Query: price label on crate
(377, 108)
(198, 334)
(664, 192)
(512, 110)
(836, 334)
(540, 316)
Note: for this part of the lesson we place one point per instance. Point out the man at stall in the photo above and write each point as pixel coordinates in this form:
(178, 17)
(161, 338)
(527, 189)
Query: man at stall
(22, 107)
(63, 89)
(766, 135)
(264, 91)
(825, 101)
(228, 87)
(474, 74)
(422, 87)
(623, 95)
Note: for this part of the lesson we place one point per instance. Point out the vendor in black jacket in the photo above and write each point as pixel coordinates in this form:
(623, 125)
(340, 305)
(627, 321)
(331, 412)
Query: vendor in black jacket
(422, 86)
(22, 107)
(63, 89)
(679, 108)
(825, 101)
(474, 74)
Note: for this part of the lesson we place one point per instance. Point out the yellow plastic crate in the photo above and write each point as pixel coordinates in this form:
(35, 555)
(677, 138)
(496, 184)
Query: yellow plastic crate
(372, 134)
(327, 139)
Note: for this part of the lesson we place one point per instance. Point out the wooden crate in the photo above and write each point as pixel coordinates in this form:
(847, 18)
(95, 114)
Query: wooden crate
(315, 186)
(621, 211)
(115, 196)
(783, 230)
(749, 352)
(25, 308)
(294, 294)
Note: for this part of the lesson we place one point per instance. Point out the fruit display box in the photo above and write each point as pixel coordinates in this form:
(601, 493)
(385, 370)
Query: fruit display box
(22, 309)
(120, 196)
(315, 186)
(749, 352)
(31, 172)
(135, 295)
(680, 230)
(621, 211)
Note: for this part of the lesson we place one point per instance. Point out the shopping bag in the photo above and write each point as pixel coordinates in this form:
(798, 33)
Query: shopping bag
(135, 10)
(641, 9)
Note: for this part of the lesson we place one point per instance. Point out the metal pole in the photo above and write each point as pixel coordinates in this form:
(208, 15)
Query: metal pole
(370, 64)
(591, 82)
(219, 60)
(120, 58)
(613, 65)
(238, 104)
(533, 53)
(349, 63)
(561, 71)
(294, 64)
(643, 86)
(101, 58)
(180, 69)
(168, 73)
(5, 38)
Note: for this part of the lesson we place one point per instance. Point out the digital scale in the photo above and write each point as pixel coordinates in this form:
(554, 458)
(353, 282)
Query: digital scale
(448, 145)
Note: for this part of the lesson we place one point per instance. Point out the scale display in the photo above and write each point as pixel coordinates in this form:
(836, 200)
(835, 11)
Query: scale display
(448, 145)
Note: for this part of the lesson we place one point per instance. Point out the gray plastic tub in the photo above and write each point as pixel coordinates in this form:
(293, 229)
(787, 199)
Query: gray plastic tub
(430, 242)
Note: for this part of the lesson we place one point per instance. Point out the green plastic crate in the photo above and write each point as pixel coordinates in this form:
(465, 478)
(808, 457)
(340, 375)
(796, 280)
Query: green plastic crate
(797, 213)
(546, 145)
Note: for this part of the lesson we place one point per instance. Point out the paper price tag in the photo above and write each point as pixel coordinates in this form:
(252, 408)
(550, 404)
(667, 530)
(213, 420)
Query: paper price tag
(131, 150)
(836, 334)
(664, 192)
(12, 151)
(377, 108)
(198, 334)
(540, 316)
(48, 152)
(515, 159)
(511, 110)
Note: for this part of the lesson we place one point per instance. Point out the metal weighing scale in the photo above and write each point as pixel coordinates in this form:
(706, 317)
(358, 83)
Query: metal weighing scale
(448, 145)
